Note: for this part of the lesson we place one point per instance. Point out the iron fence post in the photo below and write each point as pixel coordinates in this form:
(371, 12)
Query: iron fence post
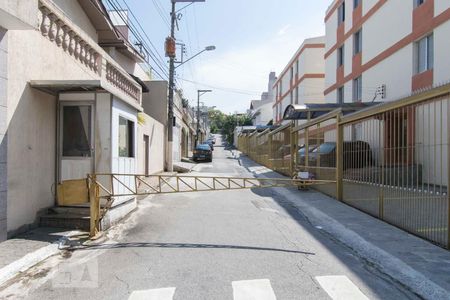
(448, 175)
(94, 205)
(270, 158)
(293, 149)
(339, 158)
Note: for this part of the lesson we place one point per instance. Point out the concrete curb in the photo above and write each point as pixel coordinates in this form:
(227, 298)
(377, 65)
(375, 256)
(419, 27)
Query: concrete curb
(29, 260)
(395, 268)
(386, 263)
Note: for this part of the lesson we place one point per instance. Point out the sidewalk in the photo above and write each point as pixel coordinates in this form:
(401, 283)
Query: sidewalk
(28, 249)
(415, 263)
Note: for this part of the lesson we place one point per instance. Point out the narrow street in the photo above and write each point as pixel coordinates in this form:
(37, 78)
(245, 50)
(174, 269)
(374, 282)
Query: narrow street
(211, 245)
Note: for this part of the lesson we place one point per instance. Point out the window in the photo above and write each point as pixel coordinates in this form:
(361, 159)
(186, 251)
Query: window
(292, 75)
(357, 42)
(297, 68)
(357, 89)
(296, 95)
(340, 57)
(356, 3)
(418, 2)
(425, 56)
(126, 137)
(341, 13)
(340, 95)
(77, 129)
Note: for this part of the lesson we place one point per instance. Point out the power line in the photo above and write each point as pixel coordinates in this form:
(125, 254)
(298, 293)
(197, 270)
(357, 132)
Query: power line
(138, 36)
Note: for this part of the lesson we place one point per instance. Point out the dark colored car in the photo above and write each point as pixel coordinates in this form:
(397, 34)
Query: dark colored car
(302, 153)
(202, 152)
(356, 154)
(210, 143)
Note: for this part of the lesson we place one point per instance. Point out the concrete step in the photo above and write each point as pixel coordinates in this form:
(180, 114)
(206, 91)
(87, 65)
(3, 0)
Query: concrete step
(66, 220)
(75, 210)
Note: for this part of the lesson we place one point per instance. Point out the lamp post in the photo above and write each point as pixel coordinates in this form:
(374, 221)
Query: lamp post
(199, 93)
(171, 53)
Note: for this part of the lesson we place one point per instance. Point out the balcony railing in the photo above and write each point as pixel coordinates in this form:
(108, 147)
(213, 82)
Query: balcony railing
(57, 28)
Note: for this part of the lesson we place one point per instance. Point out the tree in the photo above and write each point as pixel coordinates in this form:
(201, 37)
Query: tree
(225, 124)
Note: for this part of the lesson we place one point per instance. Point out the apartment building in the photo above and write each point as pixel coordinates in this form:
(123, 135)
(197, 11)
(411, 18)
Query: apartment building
(261, 110)
(302, 80)
(379, 50)
(71, 92)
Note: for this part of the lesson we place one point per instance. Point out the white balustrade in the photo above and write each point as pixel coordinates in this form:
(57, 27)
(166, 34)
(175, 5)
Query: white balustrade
(66, 37)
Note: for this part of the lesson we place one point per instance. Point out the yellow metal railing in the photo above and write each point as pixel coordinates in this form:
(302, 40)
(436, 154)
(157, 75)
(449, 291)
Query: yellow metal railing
(106, 188)
(391, 160)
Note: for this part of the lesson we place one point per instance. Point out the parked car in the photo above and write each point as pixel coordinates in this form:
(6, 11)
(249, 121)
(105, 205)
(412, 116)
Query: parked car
(211, 140)
(356, 154)
(210, 143)
(302, 153)
(202, 152)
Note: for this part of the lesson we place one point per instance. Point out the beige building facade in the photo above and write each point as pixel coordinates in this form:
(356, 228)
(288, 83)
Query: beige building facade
(69, 106)
(302, 80)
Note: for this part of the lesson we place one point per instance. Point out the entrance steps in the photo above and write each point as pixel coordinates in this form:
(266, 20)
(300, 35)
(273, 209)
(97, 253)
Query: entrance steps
(73, 217)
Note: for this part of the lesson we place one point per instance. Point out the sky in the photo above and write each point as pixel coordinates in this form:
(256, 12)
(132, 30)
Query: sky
(252, 38)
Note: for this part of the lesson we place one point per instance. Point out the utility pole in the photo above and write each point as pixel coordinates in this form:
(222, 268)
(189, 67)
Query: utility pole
(171, 90)
(171, 53)
(199, 93)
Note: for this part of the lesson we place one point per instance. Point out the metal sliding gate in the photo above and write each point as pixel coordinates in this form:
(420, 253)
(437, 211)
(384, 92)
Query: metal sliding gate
(104, 188)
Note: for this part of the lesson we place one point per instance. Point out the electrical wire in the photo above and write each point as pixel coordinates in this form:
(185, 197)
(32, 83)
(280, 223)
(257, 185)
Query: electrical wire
(116, 6)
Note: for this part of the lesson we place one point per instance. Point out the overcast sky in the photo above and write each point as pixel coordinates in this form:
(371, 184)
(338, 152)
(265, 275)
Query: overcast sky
(253, 37)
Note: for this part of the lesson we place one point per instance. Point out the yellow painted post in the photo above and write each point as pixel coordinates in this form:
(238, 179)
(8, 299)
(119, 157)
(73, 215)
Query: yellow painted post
(293, 149)
(270, 158)
(448, 177)
(94, 205)
(306, 149)
(339, 158)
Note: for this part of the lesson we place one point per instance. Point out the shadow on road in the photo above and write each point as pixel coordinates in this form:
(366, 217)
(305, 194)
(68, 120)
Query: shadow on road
(183, 245)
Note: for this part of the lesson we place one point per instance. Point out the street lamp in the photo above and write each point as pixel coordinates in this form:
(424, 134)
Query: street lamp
(199, 93)
(208, 48)
(171, 53)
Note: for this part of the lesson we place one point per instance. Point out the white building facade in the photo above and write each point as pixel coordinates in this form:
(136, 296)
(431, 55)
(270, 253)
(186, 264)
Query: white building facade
(385, 50)
(69, 104)
(302, 80)
(261, 110)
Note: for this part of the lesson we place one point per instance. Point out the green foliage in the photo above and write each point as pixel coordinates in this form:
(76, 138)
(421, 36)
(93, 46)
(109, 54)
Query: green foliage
(225, 124)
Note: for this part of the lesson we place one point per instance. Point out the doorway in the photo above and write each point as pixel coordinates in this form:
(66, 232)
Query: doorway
(76, 140)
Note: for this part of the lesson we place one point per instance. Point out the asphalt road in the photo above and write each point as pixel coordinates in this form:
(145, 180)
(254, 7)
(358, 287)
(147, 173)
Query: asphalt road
(238, 245)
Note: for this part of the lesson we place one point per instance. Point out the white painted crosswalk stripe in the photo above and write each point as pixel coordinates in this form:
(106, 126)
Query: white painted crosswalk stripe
(340, 288)
(259, 289)
(155, 294)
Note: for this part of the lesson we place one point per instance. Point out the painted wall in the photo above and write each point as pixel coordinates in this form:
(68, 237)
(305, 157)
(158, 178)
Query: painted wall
(441, 50)
(18, 14)
(155, 102)
(379, 33)
(74, 12)
(3, 128)
(31, 123)
(373, 42)
(156, 133)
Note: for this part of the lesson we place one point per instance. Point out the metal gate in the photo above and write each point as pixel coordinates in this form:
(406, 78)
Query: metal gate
(106, 188)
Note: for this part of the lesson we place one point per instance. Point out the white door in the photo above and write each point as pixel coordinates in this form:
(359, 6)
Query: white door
(76, 140)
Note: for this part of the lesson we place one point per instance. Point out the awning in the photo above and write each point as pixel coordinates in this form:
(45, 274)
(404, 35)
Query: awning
(302, 112)
(57, 86)
(54, 87)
